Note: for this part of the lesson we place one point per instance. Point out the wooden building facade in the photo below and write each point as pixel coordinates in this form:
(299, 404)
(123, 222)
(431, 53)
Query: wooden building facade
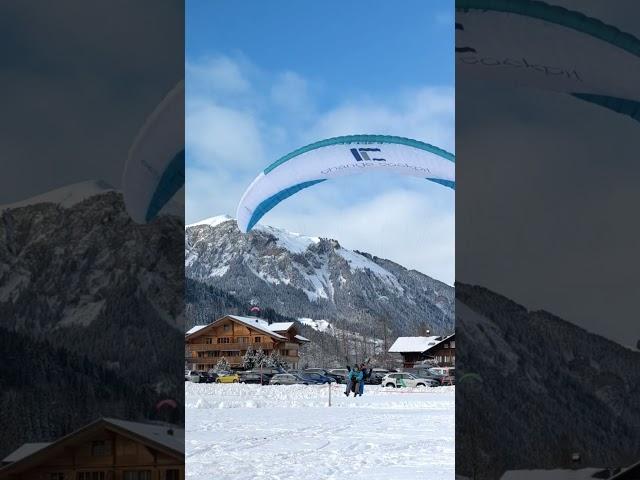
(107, 449)
(231, 336)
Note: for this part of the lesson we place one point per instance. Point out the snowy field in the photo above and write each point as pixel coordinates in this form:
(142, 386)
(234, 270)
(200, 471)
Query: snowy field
(287, 432)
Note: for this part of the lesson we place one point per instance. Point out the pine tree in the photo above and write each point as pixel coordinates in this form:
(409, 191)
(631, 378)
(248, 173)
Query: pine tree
(223, 365)
(274, 360)
(249, 359)
(260, 359)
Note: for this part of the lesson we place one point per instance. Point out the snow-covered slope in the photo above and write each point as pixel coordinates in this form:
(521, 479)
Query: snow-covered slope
(542, 388)
(306, 276)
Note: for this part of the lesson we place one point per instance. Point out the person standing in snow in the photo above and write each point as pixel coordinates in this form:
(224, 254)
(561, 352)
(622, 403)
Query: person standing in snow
(366, 373)
(348, 381)
(358, 380)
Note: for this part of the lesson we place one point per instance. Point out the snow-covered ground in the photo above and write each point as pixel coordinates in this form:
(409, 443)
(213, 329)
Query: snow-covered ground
(289, 432)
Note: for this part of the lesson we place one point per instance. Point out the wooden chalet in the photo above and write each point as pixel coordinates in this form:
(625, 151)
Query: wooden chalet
(231, 336)
(441, 349)
(107, 449)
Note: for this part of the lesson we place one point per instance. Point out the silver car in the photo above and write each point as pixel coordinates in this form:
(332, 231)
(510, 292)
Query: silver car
(285, 379)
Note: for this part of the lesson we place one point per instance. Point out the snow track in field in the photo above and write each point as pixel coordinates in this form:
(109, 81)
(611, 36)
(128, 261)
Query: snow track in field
(244, 432)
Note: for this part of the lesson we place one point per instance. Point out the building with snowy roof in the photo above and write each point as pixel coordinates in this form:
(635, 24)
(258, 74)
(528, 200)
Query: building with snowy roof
(439, 349)
(105, 449)
(230, 337)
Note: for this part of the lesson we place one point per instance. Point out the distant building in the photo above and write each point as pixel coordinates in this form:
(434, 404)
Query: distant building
(107, 449)
(440, 349)
(231, 336)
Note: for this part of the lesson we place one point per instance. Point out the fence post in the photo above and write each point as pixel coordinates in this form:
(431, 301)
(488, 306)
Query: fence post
(329, 384)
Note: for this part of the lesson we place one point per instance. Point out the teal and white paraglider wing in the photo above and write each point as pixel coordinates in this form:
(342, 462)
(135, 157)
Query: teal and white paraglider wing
(529, 43)
(337, 157)
(154, 172)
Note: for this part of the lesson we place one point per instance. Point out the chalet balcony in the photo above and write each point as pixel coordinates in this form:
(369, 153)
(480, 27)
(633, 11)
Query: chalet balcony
(212, 347)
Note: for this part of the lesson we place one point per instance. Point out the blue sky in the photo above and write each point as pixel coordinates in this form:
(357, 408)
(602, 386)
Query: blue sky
(264, 78)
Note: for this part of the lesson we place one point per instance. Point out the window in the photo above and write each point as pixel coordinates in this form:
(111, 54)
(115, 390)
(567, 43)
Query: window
(257, 340)
(137, 475)
(208, 340)
(172, 475)
(56, 476)
(91, 476)
(453, 344)
(226, 327)
(243, 339)
(223, 340)
(100, 448)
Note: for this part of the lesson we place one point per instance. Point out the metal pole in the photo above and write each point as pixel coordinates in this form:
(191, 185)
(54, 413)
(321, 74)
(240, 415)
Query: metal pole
(329, 383)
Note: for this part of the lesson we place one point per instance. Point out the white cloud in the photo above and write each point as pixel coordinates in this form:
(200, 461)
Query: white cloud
(221, 137)
(425, 114)
(216, 75)
(291, 92)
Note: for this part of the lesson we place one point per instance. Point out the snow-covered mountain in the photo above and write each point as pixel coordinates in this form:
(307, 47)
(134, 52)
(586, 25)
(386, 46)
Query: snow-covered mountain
(542, 388)
(66, 256)
(91, 305)
(304, 276)
(66, 196)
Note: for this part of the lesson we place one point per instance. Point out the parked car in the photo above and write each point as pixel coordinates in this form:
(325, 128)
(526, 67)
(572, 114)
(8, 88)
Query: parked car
(321, 371)
(187, 375)
(380, 371)
(193, 376)
(445, 375)
(398, 380)
(254, 377)
(375, 378)
(205, 377)
(228, 378)
(318, 378)
(340, 374)
(286, 379)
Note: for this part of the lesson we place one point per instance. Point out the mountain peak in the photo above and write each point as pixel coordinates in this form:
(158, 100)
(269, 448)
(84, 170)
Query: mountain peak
(212, 221)
(65, 196)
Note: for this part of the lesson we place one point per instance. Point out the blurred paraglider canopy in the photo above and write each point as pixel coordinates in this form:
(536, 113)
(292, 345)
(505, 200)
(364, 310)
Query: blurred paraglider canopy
(529, 43)
(154, 172)
(337, 157)
(166, 410)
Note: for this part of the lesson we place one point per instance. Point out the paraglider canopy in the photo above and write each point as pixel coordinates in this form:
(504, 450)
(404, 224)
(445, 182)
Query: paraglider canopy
(342, 156)
(154, 172)
(529, 43)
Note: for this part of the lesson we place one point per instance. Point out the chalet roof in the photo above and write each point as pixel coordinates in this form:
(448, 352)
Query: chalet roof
(153, 432)
(414, 344)
(165, 438)
(23, 451)
(442, 339)
(280, 326)
(302, 339)
(257, 323)
(194, 329)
